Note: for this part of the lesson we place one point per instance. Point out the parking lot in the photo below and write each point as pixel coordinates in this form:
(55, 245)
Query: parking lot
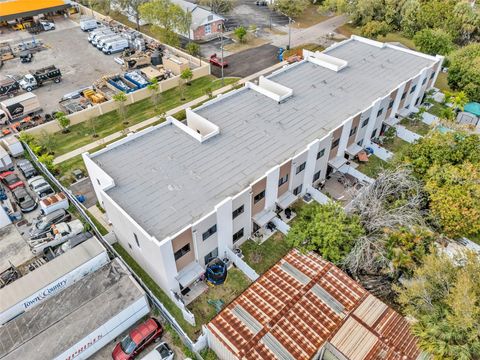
(246, 13)
(249, 62)
(68, 49)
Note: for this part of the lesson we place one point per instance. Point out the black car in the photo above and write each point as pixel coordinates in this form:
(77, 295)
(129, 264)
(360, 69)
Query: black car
(24, 200)
(26, 168)
(42, 225)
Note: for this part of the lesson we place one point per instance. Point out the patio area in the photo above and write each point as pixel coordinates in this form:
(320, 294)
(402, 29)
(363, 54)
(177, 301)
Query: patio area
(341, 187)
(214, 298)
(195, 291)
(373, 167)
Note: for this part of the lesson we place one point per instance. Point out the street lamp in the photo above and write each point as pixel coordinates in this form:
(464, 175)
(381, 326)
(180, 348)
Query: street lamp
(221, 63)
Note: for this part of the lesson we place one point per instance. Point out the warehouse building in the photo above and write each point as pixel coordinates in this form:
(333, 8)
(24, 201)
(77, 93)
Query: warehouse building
(306, 308)
(79, 321)
(181, 193)
(17, 9)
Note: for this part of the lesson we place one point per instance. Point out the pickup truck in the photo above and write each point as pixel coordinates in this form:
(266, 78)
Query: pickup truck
(59, 234)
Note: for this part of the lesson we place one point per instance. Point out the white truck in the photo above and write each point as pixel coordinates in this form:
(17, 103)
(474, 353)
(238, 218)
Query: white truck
(54, 202)
(88, 24)
(60, 233)
(118, 45)
(19, 107)
(13, 146)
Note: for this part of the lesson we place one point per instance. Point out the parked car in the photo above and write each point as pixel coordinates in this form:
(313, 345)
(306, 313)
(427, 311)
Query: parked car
(43, 224)
(161, 352)
(137, 340)
(26, 168)
(24, 200)
(11, 180)
(40, 186)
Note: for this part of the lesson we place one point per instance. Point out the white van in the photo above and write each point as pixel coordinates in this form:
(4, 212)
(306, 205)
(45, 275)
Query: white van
(101, 42)
(115, 46)
(100, 37)
(88, 24)
(97, 32)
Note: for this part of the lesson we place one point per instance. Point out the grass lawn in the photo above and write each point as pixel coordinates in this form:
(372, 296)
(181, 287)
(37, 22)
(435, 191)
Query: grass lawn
(262, 257)
(373, 166)
(235, 284)
(309, 17)
(349, 30)
(442, 82)
(81, 134)
(308, 46)
(418, 127)
(191, 331)
(437, 109)
(395, 145)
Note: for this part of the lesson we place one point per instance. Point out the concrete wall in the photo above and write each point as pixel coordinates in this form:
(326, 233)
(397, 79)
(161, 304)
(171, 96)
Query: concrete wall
(179, 242)
(202, 247)
(257, 188)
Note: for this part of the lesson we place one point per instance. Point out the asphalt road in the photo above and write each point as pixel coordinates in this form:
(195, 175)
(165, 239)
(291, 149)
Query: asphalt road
(248, 62)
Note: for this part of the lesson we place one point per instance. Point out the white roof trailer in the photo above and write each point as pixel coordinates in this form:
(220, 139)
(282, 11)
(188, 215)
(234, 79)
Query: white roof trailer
(51, 278)
(79, 321)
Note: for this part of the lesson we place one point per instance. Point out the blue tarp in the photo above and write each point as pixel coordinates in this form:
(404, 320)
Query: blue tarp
(472, 108)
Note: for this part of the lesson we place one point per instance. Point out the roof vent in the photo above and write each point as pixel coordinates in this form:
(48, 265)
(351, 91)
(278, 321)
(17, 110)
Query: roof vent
(327, 61)
(271, 89)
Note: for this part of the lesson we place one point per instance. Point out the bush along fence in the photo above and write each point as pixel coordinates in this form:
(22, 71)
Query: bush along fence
(194, 347)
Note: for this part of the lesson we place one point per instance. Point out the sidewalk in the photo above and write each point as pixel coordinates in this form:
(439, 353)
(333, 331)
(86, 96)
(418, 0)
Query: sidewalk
(117, 135)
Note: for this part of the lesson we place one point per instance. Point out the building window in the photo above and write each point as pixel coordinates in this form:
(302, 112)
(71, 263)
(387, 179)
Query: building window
(210, 256)
(130, 246)
(374, 132)
(335, 143)
(391, 104)
(417, 101)
(184, 250)
(136, 239)
(406, 107)
(404, 95)
(259, 197)
(297, 190)
(365, 122)
(360, 143)
(209, 232)
(317, 175)
(208, 29)
(98, 181)
(379, 112)
(282, 180)
(424, 81)
(353, 131)
(301, 167)
(238, 235)
(413, 88)
(320, 153)
(237, 212)
(431, 76)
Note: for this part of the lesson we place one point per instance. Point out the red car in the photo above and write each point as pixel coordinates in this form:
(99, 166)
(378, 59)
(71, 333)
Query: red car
(137, 339)
(215, 60)
(11, 180)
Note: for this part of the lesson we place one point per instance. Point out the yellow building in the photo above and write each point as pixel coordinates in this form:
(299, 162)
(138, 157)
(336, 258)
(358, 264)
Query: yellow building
(16, 9)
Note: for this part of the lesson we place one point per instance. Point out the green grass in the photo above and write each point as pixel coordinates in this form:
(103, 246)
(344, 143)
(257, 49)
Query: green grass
(82, 134)
(373, 167)
(99, 226)
(418, 127)
(299, 48)
(395, 145)
(262, 257)
(235, 284)
(191, 331)
(437, 109)
(349, 30)
(442, 82)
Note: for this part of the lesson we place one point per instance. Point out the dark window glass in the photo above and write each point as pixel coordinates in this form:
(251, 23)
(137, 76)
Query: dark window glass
(238, 235)
(391, 104)
(209, 232)
(300, 168)
(316, 176)
(237, 212)
(136, 239)
(282, 180)
(320, 153)
(413, 88)
(184, 250)
(353, 131)
(380, 112)
(259, 197)
(335, 143)
(297, 190)
(365, 122)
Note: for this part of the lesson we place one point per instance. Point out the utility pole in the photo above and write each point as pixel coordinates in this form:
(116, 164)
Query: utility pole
(222, 64)
(289, 32)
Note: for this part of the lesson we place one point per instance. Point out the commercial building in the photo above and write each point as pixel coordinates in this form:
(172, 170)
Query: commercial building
(306, 308)
(17, 9)
(79, 321)
(180, 193)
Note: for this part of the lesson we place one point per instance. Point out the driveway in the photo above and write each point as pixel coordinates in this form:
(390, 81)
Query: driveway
(249, 62)
(314, 34)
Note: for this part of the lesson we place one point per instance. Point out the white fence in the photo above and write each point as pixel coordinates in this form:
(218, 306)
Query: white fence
(428, 118)
(242, 265)
(318, 196)
(407, 135)
(282, 226)
(381, 152)
(347, 169)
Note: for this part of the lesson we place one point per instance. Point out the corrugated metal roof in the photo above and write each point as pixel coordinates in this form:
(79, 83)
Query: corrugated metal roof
(283, 316)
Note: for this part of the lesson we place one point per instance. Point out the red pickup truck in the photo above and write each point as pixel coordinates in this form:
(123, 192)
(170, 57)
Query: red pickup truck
(215, 60)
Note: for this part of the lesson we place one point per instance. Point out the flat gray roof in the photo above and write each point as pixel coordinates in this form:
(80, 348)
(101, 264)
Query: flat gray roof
(46, 274)
(60, 322)
(166, 180)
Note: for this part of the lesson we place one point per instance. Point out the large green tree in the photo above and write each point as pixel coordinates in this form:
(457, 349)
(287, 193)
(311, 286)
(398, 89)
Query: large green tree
(291, 8)
(433, 41)
(464, 71)
(326, 229)
(444, 300)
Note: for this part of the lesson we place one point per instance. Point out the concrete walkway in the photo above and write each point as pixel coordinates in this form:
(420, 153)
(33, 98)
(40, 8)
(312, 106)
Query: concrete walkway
(314, 34)
(117, 135)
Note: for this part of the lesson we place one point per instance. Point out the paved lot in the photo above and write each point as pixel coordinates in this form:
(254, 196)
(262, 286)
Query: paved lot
(246, 13)
(68, 48)
(84, 187)
(249, 61)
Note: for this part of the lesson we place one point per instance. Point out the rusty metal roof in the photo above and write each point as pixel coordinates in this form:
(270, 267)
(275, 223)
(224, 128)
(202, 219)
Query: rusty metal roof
(302, 303)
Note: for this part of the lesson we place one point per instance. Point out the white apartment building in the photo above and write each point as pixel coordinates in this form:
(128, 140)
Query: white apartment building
(180, 193)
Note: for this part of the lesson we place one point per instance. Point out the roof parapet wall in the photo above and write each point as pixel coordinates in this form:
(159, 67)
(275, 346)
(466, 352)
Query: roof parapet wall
(324, 60)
